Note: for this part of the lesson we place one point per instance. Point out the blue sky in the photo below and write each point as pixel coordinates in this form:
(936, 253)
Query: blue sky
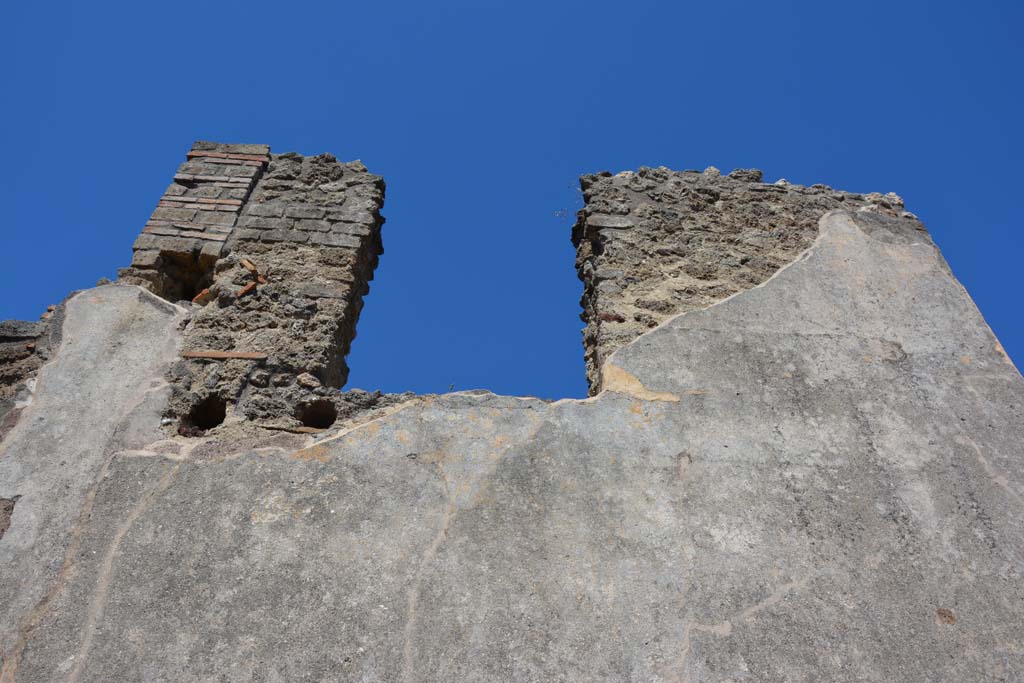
(481, 115)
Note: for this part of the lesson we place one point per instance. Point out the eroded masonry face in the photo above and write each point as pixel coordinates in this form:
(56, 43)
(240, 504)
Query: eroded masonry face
(273, 253)
(656, 243)
(818, 478)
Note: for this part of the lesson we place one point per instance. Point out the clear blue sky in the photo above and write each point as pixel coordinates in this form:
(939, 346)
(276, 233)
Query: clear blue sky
(481, 115)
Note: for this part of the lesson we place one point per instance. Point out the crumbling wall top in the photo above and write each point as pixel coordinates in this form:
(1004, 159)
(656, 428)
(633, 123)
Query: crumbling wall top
(655, 243)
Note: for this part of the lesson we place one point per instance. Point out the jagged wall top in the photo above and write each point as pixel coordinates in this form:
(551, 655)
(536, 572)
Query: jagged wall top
(655, 243)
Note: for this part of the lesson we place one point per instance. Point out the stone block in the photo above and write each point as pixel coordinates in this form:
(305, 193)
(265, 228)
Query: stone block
(334, 240)
(347, 215)
(201, 168)
(355, 229)
(178, 246)
(285, 236)
(263, 150)
(215, 218)
(211, 236)
(247, 234)
(305, 211)
(265, 223)
(226, 160)
(145, 258)
(233, 183)
(163, 213)
(313, 225)
(613, 222)
(212, 201)
(20, 329)
(161, 229)
(211, 251)
(206, 190)
(750, 175)
(206, 145)
(275, 209)
(225, 148)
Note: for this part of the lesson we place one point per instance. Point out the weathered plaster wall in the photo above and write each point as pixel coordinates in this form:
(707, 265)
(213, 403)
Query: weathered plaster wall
(655, 243)
(103, 391)
(818, 478)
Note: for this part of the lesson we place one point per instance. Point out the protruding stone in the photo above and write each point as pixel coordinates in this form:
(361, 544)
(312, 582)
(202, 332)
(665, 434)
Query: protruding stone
(749, 175)
(612, 222)
(308, 381)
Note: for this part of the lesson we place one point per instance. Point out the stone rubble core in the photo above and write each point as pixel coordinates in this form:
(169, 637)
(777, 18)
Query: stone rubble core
(24, 347)
(656, 243)
(807, 463)
(275, 252)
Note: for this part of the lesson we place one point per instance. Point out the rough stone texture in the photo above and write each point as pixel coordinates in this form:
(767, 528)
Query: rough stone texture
(656, 243)
(820, 478)
(24, 347)
(174, 255)
(20, 357)
(280, 270)
(312, 230)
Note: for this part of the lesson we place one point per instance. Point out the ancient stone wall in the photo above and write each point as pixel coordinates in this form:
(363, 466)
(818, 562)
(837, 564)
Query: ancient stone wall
(655, 243)
(815, 479)
(275, 253)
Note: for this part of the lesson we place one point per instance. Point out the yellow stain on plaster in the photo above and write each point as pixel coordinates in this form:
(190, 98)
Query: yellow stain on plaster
(966, 360)
(316, 452)
(1002, 352)
(436, 457)
(614, 378)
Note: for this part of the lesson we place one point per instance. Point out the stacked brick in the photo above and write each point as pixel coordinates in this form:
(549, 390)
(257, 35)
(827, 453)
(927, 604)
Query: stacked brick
(656, 243)
(275, 253)
(313, 200)
(187, 232)
(282, 249)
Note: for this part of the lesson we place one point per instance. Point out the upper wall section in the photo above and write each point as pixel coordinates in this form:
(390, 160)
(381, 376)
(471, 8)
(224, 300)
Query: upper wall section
(193, 219)
(271, 254)
(655, 243)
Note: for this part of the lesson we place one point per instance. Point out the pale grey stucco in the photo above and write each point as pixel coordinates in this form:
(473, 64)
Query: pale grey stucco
(817, 479)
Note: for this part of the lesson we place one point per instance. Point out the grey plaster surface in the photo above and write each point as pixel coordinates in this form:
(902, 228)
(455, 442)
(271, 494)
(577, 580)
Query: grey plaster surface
(102, 392)
(817, 479)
